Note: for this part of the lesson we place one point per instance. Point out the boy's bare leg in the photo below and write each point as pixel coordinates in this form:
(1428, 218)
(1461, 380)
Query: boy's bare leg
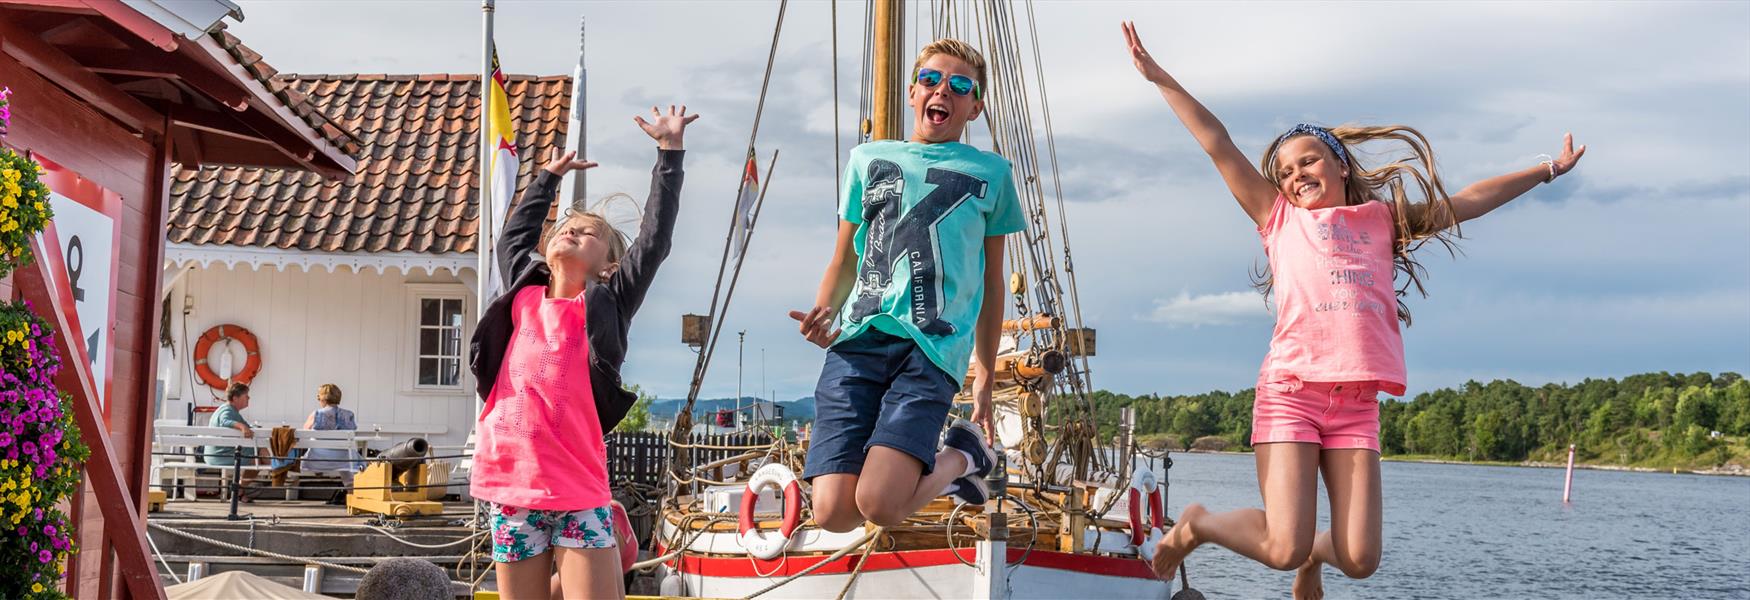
(893, 485)
(525, 579)
(835, 502)
(591, 573)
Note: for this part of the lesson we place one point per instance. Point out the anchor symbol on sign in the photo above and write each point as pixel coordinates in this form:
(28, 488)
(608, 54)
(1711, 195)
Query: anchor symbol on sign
(75, 266)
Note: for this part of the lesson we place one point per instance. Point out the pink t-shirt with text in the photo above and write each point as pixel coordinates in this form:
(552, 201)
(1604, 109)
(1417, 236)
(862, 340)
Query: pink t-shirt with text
(540, 442)
(1336, 307)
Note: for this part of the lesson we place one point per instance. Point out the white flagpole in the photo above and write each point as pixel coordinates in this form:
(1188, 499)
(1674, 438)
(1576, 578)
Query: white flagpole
(485, 240)
(572, 188)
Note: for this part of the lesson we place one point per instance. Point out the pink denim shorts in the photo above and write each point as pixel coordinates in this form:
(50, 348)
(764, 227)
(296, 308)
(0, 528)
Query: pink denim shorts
(1336, 415)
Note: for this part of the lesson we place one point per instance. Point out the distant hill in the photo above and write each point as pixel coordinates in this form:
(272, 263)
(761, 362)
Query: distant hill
(801, 409)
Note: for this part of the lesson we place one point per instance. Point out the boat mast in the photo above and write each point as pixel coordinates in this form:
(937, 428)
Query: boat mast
(886, 85)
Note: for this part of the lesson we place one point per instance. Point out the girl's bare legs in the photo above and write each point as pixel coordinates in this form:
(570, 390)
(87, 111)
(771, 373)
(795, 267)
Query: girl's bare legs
(1353, 542)
(525, 579)
(590, 573)
(1280, 536)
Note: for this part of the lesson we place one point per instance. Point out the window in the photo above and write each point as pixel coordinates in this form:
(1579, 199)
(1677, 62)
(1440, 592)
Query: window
(440, 342)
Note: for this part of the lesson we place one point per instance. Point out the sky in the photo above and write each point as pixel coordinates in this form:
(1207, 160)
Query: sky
(1637, 261)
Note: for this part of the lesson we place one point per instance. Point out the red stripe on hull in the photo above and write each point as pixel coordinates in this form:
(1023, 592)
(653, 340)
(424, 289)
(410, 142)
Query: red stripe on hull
(742, 566)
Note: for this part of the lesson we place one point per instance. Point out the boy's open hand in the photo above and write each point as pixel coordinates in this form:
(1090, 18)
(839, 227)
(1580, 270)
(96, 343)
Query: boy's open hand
(1145, 64)
(560, 165)
(817, 325)
(667, 129)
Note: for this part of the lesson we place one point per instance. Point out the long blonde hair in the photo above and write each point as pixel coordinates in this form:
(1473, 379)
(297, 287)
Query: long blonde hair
(617, 240)
(1414, 222)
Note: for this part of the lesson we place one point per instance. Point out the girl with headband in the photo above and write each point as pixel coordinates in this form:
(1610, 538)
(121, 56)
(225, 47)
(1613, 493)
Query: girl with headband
(1336, 233)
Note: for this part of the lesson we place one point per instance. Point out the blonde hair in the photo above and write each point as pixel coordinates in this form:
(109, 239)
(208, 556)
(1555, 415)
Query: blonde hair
(1414, 223)
(616, 239)
(957, 49)
(328, 394)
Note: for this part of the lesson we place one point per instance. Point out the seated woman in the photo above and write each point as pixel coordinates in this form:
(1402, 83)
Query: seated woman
(329, 416)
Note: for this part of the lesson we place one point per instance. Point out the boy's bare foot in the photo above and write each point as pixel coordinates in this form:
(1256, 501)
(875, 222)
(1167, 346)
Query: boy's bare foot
(1177, 543)
(1309, 581)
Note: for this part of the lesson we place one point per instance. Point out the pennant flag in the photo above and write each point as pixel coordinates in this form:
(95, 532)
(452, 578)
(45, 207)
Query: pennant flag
(499, 188)
(750, 191)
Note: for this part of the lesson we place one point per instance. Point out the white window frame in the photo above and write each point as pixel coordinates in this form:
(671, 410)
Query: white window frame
(408, 366)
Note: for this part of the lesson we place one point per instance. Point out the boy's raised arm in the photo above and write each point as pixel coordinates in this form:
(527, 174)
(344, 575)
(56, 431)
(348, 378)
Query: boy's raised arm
(1250, 188)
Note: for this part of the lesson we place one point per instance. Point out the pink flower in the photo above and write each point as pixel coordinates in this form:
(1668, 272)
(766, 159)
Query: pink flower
(45, 556)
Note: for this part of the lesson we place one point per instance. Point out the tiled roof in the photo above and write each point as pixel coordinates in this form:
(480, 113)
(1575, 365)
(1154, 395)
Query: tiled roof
(250, 60)
(414, 190)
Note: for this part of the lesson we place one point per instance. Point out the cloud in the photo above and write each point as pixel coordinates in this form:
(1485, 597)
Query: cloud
(1636, 261)
(1225, 308)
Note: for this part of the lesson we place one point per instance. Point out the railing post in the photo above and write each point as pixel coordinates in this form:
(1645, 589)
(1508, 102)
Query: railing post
(236, 481)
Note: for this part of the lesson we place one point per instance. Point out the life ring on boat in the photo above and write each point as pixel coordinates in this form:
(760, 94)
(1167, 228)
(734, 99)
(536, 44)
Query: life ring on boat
(759, 543)
(1145, 495)
(235, 333)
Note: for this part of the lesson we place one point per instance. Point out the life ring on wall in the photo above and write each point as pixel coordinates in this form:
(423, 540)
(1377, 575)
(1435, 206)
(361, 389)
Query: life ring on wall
(234, 333)
(758, 543)
(1145, 495)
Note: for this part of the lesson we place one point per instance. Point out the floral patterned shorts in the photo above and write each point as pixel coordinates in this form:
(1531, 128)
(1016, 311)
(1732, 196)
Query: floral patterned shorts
(519, 533)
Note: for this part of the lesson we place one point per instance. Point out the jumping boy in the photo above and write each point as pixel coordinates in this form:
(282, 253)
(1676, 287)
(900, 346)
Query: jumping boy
(914, 287)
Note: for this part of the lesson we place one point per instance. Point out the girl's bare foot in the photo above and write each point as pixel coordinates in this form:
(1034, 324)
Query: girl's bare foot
(1177, 543)
(1309, 581)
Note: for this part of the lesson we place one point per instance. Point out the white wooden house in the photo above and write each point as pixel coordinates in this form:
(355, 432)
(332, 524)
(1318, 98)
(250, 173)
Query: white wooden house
(367, 282)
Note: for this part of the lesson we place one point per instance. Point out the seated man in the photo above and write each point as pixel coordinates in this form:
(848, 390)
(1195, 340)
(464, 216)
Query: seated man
(230, 414)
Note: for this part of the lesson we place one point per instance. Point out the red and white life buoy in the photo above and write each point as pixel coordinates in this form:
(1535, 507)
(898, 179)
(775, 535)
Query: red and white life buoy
(758, 543)
(1145, 529)
(251, 351)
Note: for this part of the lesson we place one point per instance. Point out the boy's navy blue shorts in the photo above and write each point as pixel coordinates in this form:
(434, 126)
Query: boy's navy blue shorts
(877, 389)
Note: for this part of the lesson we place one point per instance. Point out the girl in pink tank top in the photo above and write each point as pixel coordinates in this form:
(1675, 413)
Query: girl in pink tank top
(1337, 234)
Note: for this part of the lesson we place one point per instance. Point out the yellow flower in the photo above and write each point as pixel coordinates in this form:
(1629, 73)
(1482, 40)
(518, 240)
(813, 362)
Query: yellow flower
(36, 588)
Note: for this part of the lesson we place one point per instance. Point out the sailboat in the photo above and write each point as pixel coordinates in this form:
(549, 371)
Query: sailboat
(1069, 516)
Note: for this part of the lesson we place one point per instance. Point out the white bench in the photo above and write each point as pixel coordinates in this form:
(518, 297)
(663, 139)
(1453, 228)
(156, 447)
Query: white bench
(172, 469)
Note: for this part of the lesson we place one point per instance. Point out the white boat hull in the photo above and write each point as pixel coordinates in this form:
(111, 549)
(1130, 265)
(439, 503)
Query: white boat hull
(994, 572)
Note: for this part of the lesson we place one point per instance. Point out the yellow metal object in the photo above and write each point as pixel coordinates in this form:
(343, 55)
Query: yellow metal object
(377, 490)
(155, 500)
(485, 595)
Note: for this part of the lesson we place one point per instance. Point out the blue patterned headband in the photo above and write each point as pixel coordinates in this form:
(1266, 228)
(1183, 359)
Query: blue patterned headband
(1323, 134)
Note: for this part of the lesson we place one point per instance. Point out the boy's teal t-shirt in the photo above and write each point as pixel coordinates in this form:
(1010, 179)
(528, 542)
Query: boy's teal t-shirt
(922, 213)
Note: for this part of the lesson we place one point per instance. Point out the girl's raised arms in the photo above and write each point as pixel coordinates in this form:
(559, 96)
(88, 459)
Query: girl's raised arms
(1479, 198)
(1254, 193)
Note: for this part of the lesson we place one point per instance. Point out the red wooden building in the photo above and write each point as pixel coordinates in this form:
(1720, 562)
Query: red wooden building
(115, 93)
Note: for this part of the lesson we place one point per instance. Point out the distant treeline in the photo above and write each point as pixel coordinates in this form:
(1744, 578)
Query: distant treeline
(1652, 419)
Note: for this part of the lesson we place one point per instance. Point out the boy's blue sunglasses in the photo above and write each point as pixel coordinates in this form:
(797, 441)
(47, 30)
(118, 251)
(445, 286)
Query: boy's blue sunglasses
(961, 85)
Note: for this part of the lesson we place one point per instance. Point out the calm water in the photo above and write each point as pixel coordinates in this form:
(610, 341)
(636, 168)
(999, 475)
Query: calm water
(1460, 531)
